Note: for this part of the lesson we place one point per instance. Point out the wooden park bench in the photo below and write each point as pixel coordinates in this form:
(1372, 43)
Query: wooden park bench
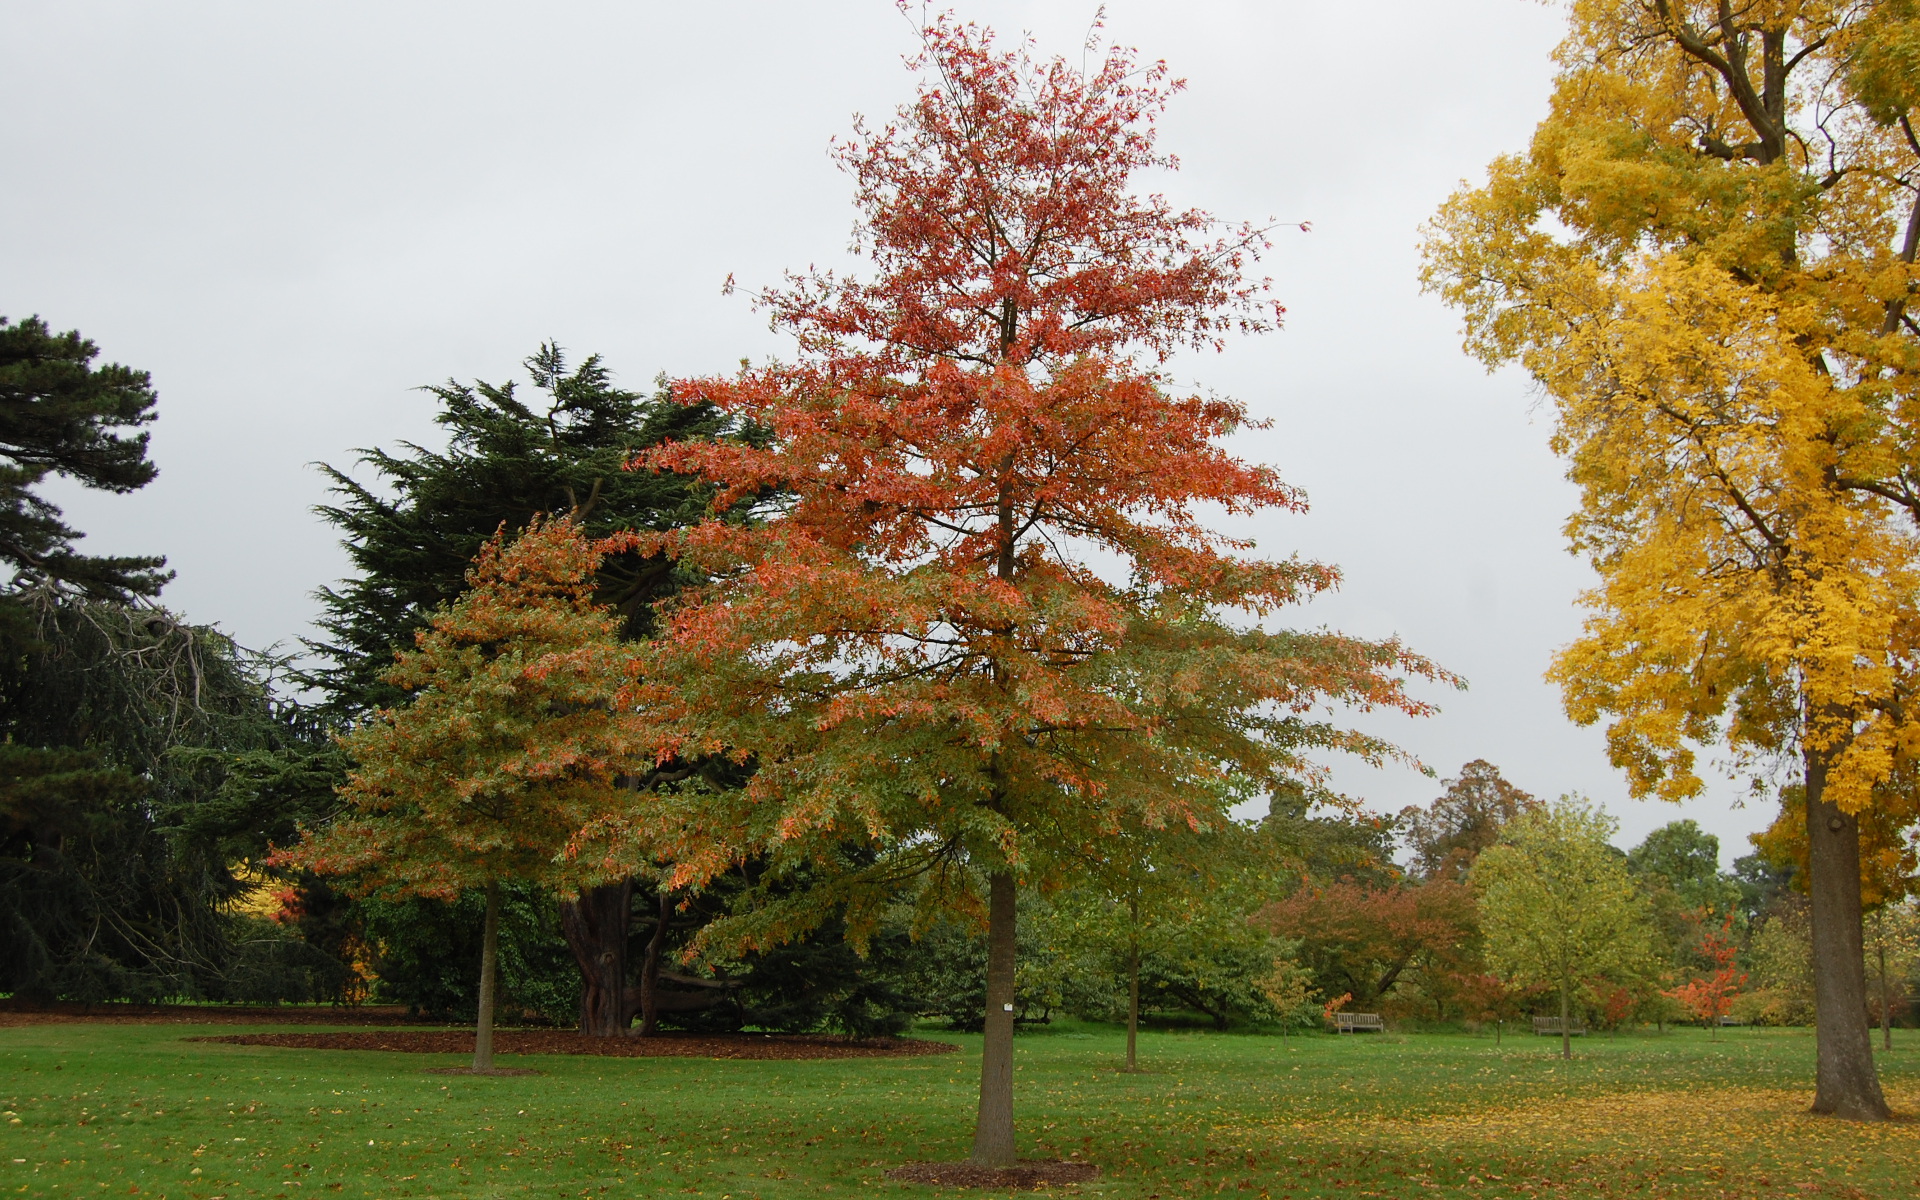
(1345, 1022)
(1546, 1025)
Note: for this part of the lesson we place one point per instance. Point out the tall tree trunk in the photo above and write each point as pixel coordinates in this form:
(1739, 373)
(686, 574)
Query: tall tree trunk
(993, 1132)
(596, 924)
(1133, 979)
(1133, 1006)
(1846, 1084)
(650, 969)
(489, 973)
(1566, 1018)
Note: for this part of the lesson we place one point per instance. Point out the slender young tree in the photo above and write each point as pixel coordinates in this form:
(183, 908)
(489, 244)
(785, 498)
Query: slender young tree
(1710, 994)
(509, 744)
(1557, 905)
(1893, 954)
(987, 627)
(1707, 258)
(1162, 894)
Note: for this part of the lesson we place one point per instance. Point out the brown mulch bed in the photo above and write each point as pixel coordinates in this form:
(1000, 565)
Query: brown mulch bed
(669, 1045)
(1031, 1173)
(19, 1012)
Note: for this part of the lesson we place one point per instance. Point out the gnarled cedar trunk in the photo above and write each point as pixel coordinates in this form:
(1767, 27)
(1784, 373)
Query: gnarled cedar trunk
(596, 924)
(993, 1133)
(1846, 1084)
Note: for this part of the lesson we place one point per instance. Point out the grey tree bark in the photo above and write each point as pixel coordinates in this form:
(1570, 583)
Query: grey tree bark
(1133, 978)
(993, 1132)
(1845, 1081)
(489, 971)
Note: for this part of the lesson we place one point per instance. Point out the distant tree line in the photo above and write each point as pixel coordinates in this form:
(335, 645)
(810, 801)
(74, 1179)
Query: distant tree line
(151, 766)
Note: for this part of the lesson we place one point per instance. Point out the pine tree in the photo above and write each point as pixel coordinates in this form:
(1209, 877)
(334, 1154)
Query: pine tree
(413, 532)
(129, 808)
(60, 415)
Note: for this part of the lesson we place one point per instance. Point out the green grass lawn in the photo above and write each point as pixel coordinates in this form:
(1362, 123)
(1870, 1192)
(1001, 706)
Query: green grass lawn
(124, 1110)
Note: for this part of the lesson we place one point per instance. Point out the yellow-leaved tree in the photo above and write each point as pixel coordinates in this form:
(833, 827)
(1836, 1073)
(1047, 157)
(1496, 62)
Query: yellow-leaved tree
(1705, 258)
(510, 743)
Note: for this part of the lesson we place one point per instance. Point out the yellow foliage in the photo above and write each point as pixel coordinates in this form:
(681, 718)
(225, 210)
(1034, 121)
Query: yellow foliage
(1704, 259)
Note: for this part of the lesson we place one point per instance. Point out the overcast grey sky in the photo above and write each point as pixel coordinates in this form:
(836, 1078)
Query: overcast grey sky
(293, 214)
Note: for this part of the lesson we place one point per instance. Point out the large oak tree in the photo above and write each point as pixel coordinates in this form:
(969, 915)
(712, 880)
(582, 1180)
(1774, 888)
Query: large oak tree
(988, 625)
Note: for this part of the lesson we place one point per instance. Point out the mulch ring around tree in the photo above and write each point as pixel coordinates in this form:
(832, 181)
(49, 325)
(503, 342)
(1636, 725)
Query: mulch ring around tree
(1028, 1175)
(668, 1045)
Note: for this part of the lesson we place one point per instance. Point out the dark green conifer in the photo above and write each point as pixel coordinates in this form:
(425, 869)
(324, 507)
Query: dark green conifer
(413, 530)
(61, 415)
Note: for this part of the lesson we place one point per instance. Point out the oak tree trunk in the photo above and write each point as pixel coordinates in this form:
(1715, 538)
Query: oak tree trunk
(650, 968)
(993, 1132)
(1846, 1084)
(596, 924)
(489, 972)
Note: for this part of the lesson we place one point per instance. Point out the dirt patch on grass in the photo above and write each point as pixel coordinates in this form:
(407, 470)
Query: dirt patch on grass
(670, 1045)
(1030, 1174)
(13, 1012)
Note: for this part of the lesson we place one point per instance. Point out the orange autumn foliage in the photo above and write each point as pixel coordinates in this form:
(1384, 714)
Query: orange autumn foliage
(986, 619)
(1710, 995)
(1366, 939)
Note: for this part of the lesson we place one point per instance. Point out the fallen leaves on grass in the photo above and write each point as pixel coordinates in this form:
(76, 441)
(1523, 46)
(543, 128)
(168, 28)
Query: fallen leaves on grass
(1700, 1141)
(1710, 1118)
